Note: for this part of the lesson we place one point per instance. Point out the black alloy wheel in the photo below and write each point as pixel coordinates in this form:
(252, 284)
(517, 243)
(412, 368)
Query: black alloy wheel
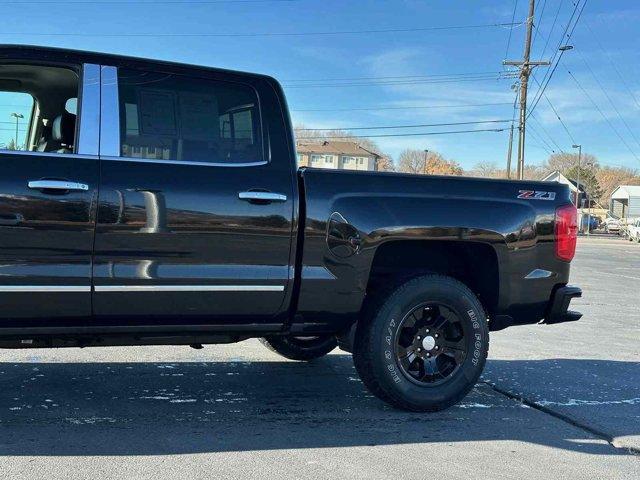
(430, 344)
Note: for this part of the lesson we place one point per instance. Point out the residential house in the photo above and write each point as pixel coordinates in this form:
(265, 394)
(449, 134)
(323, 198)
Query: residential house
(573, 187)
(625, 201)
(338, 155)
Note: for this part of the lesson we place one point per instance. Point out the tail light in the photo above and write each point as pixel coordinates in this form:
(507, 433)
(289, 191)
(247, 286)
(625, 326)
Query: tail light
(566, 232)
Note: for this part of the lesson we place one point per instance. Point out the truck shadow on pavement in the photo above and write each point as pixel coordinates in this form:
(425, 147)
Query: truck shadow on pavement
(89, 409)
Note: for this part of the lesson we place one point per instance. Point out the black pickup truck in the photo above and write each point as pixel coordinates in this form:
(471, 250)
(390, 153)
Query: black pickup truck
(147, 203)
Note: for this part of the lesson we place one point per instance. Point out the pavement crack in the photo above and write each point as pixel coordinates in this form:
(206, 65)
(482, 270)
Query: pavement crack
(560, 416)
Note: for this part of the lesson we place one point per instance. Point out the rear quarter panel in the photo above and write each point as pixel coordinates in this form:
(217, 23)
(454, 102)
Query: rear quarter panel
(383, 207)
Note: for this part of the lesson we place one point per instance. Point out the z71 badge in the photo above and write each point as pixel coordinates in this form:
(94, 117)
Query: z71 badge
(534, 195)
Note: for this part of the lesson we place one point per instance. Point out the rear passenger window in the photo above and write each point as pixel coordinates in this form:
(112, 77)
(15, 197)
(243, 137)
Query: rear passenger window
(175, 117)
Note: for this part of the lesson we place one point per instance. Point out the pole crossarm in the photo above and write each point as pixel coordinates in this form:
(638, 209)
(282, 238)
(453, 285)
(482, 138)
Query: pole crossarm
(521, 63)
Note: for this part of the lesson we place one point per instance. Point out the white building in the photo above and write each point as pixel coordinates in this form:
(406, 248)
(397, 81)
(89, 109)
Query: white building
(337, 155)
(560, 178)
(625, 201)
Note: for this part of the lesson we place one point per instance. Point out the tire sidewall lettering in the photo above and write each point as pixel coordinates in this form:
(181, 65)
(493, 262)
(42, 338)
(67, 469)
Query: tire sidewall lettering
(475, 343)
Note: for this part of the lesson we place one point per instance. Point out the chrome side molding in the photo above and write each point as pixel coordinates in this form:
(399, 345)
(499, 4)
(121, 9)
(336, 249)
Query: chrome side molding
(188, 288)
(45, 288)
(141, 288)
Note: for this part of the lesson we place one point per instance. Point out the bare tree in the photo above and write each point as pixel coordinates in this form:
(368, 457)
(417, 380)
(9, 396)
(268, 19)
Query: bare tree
(412, 161)
(301, 133)
(432, 163)
(486, 170)
(534, 172)
(385, 164)
(610, 178)
(563, 162)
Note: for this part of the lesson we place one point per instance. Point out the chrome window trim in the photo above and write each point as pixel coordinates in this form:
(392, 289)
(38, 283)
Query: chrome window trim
(188, 288)
(109, 112)
(46, 288)
(49, 154)
(180, 162)
(89, 111)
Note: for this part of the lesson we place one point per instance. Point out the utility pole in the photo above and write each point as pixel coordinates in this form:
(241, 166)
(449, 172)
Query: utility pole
(509, 152)
(526, 65)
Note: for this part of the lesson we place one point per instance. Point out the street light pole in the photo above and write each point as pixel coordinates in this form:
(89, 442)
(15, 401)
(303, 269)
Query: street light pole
(579, 147)
(426, 152)
(17, 116)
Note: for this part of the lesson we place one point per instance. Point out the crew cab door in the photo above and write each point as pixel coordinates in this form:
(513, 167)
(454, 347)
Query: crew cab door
(48, 190)
(196, 202)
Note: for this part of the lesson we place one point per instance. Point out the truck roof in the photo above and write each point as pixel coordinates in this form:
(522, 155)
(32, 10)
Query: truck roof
(8, 50)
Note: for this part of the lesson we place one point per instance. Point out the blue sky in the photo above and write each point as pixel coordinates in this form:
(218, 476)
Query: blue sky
(606, 35)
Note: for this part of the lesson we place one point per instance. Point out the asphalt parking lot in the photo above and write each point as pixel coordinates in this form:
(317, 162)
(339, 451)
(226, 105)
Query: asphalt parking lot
(555, 402)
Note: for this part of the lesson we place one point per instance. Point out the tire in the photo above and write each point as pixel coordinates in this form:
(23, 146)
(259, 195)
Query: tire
(301, 348)
(381, 334)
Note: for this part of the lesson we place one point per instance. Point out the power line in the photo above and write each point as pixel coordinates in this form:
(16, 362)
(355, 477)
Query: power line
(544, 5)
(566, 29)
(408, 107)
(386, 127)
(553, 27)
(548, 74)
(608, 98)
(539, 123)
(513, 17)
(266, 34)
(396, 77)
(400, 82)
(557, 115)
(130, 3)
(615, 130)
(544, 144)
(535, 145)
(613, 64)
(451, 132)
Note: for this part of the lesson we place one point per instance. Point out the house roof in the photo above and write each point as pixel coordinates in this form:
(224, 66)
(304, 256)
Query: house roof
(624, 191)
(337, 148)
(556, 176)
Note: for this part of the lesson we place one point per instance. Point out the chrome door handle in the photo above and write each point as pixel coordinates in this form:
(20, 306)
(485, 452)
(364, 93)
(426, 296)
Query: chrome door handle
(252, 196)
(57, 185)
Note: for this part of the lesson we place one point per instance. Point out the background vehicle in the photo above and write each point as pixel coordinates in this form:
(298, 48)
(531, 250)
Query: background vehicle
(590, 222)
(634, 230)
(612, 225)
(169, 210)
